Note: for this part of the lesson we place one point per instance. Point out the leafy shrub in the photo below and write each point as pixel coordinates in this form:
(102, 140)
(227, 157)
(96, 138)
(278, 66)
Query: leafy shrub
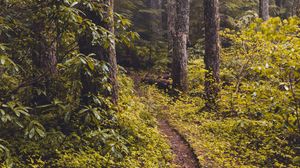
(258, 121)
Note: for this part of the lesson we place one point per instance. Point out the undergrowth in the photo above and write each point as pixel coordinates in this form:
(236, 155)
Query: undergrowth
(257, 122)
(133, 141)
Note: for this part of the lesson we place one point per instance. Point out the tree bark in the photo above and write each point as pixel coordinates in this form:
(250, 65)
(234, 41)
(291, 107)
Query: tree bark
(180, 54)
(295, 7)
(44, 59)
(112, 57)
(212, 52)
(44, 50)
(264, 9)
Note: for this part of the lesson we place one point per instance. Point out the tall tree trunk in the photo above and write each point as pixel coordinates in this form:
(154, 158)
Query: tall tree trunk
(44, 50)
(295, 7)
(264, 9)
(44, 58)
(298, 8)
(212, 52)
(171, 14)
(112, 57)
(180, 55)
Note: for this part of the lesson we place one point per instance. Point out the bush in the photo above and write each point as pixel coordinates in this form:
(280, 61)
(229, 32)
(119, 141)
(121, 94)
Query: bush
(258, 121)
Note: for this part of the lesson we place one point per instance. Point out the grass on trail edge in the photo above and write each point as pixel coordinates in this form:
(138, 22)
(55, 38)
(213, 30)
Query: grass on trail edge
(217, 141)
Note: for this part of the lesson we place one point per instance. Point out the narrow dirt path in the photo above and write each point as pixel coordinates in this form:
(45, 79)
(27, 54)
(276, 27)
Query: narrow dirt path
(185, 157)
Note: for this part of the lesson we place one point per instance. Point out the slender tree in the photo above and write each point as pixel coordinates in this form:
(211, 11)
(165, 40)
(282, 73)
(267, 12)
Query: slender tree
(295, 7)
(264, 9)
(212, 52)
(44, 50)
(44, 59)
(112, 57)
(180, 54)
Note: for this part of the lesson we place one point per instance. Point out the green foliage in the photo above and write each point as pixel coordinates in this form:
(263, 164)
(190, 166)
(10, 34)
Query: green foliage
(62, 115)
(134, 144)
(258, 121)
(65, 118)
(128, 139)
(11, 111)
(5, 154)
(264, 77)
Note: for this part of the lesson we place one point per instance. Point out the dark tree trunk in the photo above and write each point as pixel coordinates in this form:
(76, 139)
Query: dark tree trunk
(264, 9)
(44, 59)
(112, 57)
(180, 54)
(295, 7)
(212, 52)
(171, 14)
(44, 50)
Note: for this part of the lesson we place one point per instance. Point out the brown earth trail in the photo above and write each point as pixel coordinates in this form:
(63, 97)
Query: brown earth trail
(184, 155)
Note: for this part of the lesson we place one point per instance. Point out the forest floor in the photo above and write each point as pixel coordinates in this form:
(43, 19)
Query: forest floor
(184, 156)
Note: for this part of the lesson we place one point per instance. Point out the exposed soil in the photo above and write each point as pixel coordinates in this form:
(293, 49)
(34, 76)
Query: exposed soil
(185, 157)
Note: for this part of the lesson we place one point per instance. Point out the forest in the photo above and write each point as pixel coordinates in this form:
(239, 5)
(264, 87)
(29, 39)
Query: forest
(149, 83)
